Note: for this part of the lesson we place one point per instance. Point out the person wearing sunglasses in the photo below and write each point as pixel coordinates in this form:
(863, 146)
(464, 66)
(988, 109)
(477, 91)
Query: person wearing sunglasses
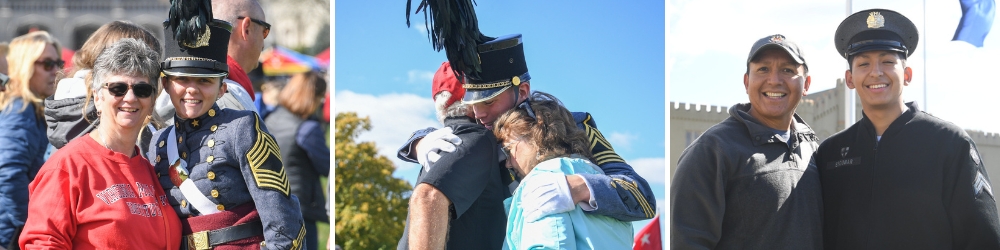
(70, 113)
(222, 167)
(540, 137)
(458, 203)
(108, 194)
(33, 69)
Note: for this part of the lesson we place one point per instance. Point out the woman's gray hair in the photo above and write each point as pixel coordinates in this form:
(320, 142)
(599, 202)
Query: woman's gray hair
(127, 57)
(456, 109)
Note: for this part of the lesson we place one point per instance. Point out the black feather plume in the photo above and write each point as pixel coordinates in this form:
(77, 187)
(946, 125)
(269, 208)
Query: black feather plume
(452, 25)
(188, 20)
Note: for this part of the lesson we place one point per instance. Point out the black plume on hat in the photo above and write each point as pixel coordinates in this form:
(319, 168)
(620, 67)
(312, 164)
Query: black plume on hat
(452, 25)
(188, 19)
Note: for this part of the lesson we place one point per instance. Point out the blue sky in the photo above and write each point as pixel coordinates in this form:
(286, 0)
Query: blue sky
(606, 58)
(707, 52)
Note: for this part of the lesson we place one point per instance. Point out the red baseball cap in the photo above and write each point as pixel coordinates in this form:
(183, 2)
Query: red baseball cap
(445, 80)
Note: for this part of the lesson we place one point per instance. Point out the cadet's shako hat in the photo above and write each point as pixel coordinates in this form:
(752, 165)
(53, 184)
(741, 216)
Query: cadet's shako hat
(445, 80)
(876, 29)
(503, 66)
(777, 41)
(198, 60)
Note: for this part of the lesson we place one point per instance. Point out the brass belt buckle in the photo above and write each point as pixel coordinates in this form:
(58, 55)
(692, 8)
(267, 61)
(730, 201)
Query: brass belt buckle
(199, 241)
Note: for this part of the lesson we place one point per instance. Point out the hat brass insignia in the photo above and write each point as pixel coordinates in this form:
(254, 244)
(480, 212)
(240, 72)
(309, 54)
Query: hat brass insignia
(875, 20)
(516, 80)
(202, 40)
(777, 38)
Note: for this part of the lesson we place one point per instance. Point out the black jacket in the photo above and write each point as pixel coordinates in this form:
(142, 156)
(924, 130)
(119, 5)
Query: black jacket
(922, 186)
(303, 172)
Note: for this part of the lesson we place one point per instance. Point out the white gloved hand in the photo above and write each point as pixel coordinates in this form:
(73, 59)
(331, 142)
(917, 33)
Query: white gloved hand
(430, 147)
(546, 194)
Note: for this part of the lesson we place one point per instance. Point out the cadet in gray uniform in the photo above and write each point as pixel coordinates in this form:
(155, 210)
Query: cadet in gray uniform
(222, 169)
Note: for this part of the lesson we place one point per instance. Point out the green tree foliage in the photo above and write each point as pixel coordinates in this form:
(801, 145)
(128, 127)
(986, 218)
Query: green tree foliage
(370, 208)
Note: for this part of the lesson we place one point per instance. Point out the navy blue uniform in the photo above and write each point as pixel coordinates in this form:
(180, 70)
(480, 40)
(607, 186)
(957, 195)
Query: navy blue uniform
(921, 186)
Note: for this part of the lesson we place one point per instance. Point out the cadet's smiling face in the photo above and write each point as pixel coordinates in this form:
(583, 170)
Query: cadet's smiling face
(775, 83)
(193, 96)
(879, 76)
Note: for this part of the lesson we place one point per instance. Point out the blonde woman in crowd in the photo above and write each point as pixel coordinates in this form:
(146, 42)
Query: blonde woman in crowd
(34, 64)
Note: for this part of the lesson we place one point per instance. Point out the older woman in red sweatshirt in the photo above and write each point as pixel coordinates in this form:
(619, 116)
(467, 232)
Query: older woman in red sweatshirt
(98, 192)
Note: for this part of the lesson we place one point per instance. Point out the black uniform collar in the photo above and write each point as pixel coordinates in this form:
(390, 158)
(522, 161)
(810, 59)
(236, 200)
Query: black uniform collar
(197, 122)
(761, 134)
(868, 128)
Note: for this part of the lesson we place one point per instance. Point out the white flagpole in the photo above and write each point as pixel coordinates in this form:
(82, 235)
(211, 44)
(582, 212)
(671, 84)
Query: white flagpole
(850, 106)
(926, 42)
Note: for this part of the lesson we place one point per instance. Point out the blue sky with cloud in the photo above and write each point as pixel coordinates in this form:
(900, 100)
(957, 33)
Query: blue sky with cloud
(606, 58)
(707, 50)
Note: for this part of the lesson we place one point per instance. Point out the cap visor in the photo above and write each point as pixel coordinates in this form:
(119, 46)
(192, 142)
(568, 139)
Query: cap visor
(774, 45)
(480, 95)
(195, 72)
(875, 47)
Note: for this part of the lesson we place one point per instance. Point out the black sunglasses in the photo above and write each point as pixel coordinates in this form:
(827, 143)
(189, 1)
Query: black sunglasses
(3, 80)
(119, 89)
(527, 107)
(50, 64)
(267, 26)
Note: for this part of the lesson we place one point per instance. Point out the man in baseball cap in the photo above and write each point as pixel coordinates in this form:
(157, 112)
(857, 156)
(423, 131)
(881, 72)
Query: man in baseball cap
(899, 178)
(458, 204)
(747, 182)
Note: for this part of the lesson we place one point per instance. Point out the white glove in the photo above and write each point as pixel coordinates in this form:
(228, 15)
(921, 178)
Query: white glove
(430, 147)
(546, 194)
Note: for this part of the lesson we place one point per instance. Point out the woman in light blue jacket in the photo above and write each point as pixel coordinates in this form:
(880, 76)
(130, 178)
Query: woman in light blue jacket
(540, 137)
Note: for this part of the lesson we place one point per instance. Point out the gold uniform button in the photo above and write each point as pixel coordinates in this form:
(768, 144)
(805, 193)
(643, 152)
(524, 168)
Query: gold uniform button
(209, 159)
(158, 159)
(180, 139)
(184, 154)
(211, 175)
(161, 143)
(262, 245)
(211, 143)
(184, 203)
(215, 193)
(211, 112)
(220, 207)
(214, 127)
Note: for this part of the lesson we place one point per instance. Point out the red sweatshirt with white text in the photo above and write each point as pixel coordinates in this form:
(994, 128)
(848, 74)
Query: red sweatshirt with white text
(89, 197)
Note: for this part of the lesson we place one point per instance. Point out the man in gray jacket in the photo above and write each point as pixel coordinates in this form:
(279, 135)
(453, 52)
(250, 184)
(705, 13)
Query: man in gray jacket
(747, 182)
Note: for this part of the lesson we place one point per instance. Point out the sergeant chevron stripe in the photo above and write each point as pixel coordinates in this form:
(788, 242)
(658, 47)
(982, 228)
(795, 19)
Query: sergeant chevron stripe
(297, 243)
(599, 147)
(263, 148)
(631, 187)
(982, 184)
